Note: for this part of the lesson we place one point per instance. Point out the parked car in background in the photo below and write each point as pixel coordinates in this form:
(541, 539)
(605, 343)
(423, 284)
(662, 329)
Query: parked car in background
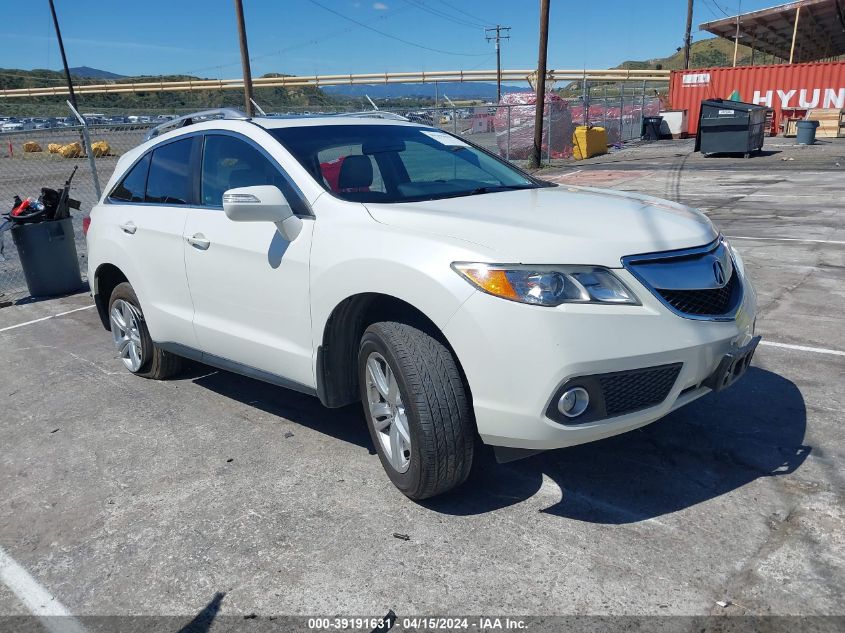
(393, 264)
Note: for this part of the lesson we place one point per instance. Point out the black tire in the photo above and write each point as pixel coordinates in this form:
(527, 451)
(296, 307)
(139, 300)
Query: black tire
(436, 403)
(156, 363)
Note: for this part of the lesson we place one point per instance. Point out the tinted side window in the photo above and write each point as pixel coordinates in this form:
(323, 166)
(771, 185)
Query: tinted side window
(169, 181)
(131, 188)
(228, 162)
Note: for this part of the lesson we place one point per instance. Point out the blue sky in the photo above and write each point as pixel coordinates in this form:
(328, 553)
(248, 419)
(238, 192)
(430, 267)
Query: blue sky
(303, 37)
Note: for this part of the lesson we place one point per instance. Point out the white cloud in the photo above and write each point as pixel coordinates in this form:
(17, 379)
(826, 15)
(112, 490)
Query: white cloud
(380, 6)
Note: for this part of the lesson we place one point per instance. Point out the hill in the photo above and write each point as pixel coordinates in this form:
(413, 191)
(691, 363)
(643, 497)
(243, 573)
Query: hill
(714, 51)
(270, 99)
(709, 53)
(93, 73)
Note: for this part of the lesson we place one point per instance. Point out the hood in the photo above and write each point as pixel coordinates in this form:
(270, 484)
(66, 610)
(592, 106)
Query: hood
(556, 225)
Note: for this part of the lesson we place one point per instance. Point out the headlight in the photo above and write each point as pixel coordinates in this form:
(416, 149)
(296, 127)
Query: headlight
(737, 258)
(547, 285)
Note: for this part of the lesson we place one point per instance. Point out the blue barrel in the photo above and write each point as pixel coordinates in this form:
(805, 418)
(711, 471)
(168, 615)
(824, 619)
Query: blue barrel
(806, 132)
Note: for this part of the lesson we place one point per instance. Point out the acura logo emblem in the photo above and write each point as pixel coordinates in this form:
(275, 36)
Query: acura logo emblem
(719, 273)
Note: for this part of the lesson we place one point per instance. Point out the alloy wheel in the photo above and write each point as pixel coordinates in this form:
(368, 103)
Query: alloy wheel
(387, 411)
(126, 334)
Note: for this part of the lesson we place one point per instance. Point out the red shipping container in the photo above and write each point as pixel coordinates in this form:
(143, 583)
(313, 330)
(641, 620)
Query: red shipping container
(793, 87)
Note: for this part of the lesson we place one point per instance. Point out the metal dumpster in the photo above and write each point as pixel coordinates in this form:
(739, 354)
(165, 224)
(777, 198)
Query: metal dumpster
(730, 127)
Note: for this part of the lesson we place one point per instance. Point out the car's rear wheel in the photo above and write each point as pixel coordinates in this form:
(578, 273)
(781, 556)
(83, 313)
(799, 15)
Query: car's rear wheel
(417, 409)
(132, 339)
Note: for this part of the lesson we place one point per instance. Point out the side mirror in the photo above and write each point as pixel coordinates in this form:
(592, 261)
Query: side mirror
(262, 203)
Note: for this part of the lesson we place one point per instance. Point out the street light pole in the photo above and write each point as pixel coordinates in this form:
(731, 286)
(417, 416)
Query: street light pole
(534, 159)
(239, 12)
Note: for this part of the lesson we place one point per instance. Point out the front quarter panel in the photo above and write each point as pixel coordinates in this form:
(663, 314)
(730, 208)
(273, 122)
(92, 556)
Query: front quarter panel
(354, 254)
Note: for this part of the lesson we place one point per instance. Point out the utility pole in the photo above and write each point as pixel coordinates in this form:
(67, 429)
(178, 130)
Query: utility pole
(64, 57)
(534, 159)
(498, 37)
(83, 133)
(687, 35)
(794, 33)
(239, 12)
(736, 38)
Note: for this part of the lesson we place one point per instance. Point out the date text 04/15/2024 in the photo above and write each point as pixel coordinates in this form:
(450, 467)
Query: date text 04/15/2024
(478, 623)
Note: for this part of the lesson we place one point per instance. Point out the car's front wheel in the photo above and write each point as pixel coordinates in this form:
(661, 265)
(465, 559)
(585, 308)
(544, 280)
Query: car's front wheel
(132, 339)
(417, 409)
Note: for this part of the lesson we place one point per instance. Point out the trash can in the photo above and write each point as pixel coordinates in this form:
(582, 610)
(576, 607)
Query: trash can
(730, 127)
(651, 128)
(806, 132)
(48, 257)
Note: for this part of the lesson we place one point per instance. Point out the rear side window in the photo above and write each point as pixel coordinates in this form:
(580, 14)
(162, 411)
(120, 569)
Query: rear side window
(169, 181)
(229, 162)
(131, 188)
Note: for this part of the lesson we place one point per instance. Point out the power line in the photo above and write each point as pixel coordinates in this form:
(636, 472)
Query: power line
(454, 8)
(482, 62)
(718, 6)
(442, 14)
(711, 9)
(393, 37)
(302, 44)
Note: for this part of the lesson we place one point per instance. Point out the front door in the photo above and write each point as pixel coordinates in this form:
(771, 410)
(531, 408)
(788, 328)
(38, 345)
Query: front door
(249, 285)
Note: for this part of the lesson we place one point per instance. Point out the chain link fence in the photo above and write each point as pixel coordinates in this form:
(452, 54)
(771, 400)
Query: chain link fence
(29, 159)
(27, 164)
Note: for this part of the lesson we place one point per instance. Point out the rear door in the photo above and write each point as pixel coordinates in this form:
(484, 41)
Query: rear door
(249, 285)
(149, 207)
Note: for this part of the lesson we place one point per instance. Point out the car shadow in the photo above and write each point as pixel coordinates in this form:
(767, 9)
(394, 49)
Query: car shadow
(703, 450)
(714, 445)
(346, 424)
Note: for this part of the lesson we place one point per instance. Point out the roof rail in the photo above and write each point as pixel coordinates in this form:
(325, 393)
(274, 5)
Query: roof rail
(196, 117)
(374, 114)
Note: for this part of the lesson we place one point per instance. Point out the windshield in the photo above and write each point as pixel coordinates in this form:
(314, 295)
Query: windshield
(397, 163)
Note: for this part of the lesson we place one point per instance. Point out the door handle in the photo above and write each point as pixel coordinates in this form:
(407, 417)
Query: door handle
(198, 240)
(129, 227)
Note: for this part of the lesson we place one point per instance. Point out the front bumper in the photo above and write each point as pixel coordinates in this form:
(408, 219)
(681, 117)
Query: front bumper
(516, 357)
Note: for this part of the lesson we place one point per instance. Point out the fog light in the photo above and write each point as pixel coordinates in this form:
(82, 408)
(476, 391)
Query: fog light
(573, 402)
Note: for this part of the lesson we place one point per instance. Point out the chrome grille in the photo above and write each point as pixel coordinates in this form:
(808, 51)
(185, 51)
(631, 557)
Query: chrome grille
(696, 283)
(714, 301)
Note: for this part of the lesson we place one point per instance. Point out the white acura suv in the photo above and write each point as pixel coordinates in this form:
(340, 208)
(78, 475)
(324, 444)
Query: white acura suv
(389, 262)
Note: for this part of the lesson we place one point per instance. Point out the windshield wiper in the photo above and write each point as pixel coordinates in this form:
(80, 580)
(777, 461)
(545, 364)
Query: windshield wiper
(494, 188)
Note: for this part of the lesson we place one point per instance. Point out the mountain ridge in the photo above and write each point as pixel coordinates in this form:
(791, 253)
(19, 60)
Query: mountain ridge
(93, 73)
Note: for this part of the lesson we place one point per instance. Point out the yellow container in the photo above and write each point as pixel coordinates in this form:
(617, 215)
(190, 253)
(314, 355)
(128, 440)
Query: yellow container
(588, 141)
(71, 150)
(100, 148)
